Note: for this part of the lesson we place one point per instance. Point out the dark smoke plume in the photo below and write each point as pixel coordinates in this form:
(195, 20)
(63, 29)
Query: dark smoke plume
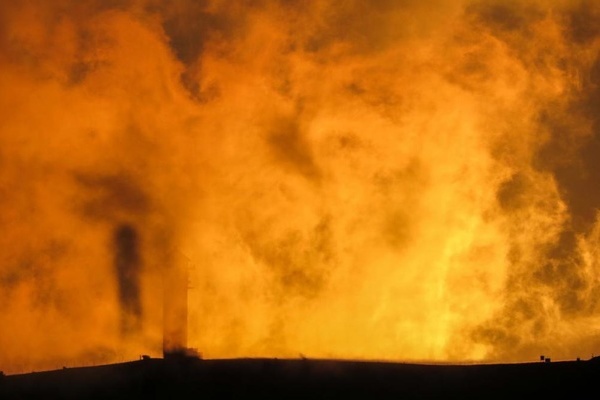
(128, 269)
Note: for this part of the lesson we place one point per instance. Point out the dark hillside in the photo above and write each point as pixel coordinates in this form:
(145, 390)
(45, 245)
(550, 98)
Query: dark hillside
(302, 378)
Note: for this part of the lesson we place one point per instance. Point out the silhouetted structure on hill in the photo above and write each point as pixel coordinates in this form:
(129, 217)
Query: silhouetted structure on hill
(175, 308)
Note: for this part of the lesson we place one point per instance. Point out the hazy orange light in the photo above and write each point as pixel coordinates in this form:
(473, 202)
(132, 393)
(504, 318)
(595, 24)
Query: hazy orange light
(408, 181)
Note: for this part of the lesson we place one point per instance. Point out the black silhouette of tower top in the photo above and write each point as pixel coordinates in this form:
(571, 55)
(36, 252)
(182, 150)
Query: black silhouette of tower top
(175, 306)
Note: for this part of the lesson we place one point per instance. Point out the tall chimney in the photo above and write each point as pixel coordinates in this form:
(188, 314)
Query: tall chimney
(175, 306)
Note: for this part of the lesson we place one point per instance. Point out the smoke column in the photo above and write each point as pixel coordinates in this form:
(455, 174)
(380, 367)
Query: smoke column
(127, 268)
(401, 180)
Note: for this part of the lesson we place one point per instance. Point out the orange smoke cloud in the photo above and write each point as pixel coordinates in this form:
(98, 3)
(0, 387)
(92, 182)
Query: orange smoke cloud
(402, 181)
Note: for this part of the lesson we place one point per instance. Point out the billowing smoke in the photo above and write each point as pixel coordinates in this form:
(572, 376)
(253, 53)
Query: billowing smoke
(404, 180)
(127, 269)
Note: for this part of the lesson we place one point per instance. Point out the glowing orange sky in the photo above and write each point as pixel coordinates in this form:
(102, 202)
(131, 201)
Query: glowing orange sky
(402, 180)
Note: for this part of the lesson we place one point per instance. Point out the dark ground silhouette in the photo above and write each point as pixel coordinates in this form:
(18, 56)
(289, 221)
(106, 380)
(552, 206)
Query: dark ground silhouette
(190, 378)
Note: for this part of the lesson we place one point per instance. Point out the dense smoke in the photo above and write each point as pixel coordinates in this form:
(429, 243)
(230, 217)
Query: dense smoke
(402, 180)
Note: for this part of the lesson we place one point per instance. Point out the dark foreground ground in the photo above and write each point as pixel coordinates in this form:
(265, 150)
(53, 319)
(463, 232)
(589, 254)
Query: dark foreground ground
(305, 379)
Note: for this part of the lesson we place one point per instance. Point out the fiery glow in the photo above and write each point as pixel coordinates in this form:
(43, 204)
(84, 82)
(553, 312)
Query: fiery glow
(401, 180)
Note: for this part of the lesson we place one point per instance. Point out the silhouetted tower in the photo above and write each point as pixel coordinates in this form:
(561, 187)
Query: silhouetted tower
(175, 306)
